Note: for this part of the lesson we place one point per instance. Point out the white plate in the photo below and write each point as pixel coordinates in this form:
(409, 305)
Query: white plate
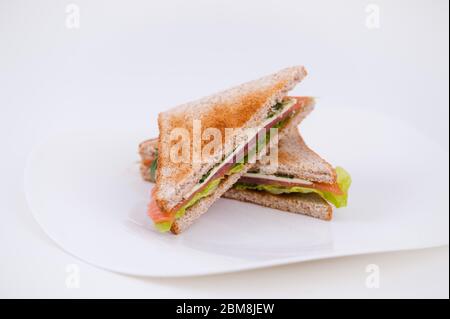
(85, 191)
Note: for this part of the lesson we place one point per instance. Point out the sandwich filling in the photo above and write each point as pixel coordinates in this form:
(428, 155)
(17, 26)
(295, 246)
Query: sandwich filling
(278, 117)
(335, 193)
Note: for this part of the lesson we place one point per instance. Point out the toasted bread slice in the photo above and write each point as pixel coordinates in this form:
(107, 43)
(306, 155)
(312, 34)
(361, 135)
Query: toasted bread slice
(242, 107)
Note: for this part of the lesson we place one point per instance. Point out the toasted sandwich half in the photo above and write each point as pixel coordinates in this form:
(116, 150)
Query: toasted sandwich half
(302, 183)
(186, 189)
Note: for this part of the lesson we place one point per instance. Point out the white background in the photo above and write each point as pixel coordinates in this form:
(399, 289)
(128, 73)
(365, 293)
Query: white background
(132, 59)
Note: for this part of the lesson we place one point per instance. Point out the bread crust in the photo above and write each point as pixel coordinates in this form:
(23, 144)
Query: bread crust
(306, 204)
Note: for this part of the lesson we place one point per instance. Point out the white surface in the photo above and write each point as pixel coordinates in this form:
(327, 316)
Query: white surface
(128, 60)
(88, 180)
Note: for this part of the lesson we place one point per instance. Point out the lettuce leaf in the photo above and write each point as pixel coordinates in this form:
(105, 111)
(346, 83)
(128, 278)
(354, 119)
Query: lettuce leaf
(343, 179)
(163, 226)
(153, 170)
(211, 187)
(236, 168)
(282, 123)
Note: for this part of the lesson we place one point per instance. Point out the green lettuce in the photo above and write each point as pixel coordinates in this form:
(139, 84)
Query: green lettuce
(283, 123)
(276, 109)
(163, 226)
(236, 168)
(153, 169)
(210, 187)
(343, 179)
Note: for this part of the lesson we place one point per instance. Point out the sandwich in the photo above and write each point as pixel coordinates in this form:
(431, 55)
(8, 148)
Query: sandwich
(241, 117)
(302, 183)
